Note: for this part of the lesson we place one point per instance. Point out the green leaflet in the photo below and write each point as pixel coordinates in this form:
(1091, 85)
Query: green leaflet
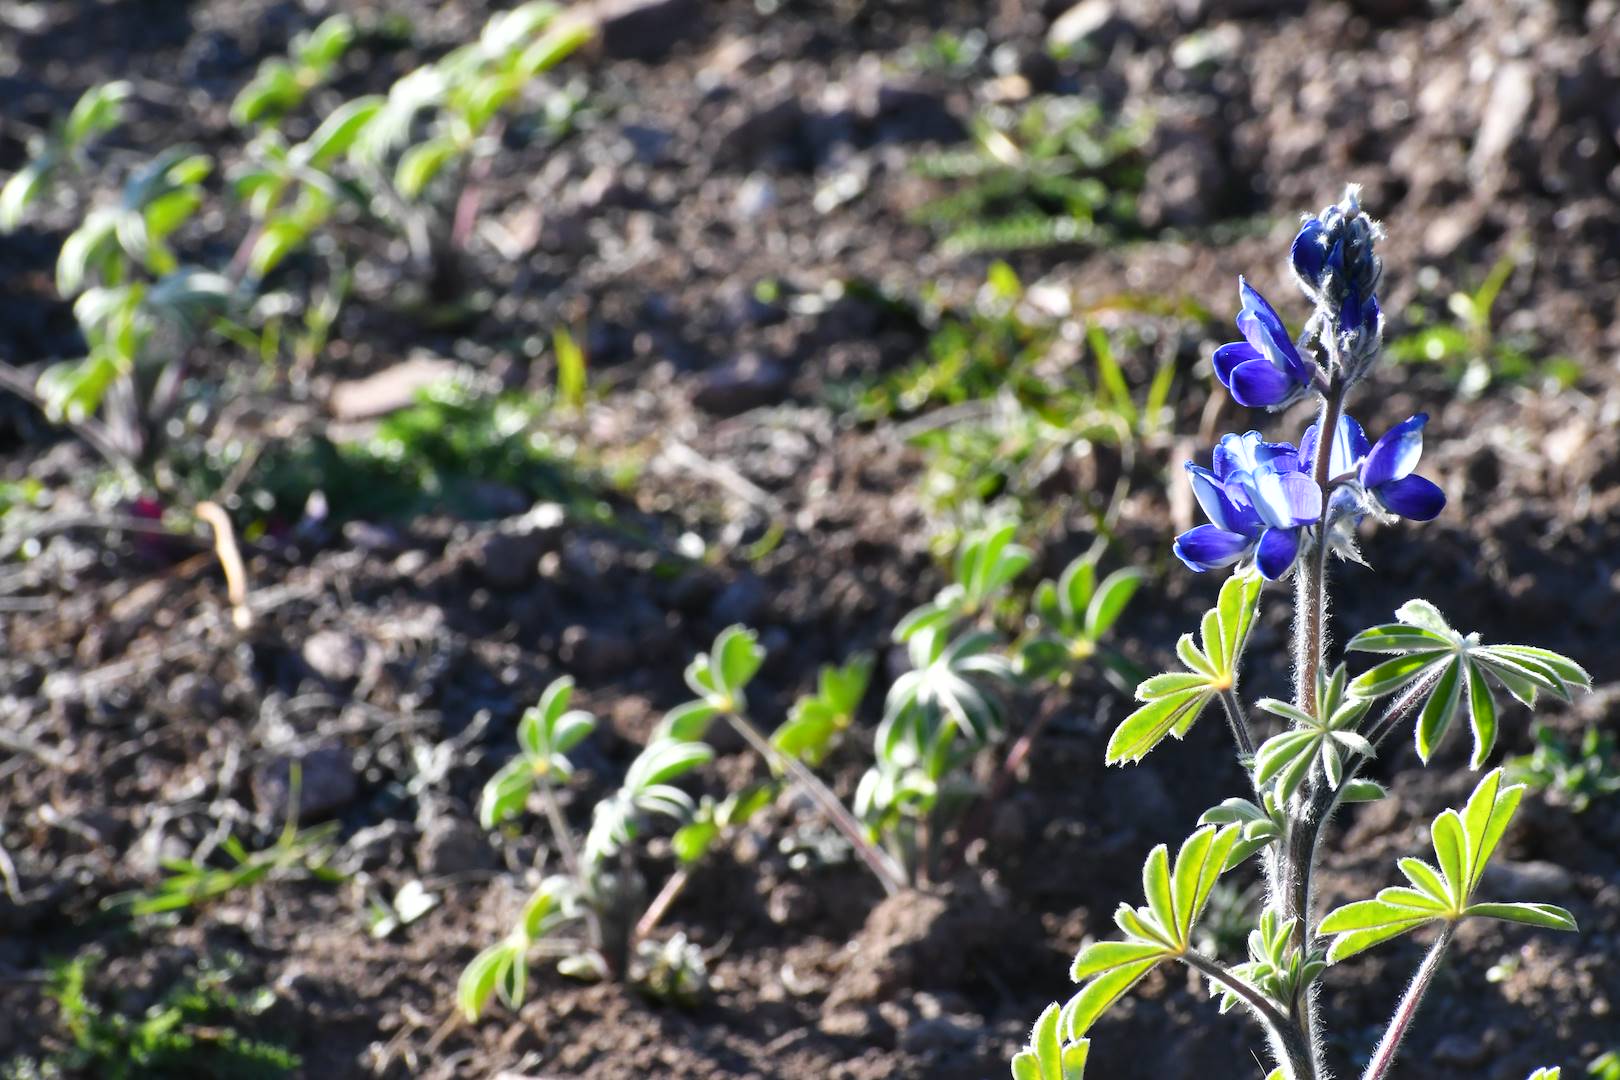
(1456, 667)
(1176, 896)
(1173, 702)
(1322, 739)
(1463, 844)
(1049, 1056)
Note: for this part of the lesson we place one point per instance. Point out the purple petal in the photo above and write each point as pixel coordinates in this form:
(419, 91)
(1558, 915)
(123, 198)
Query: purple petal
(1350, 311)
(1230, 356)
(1247, 452)
(1277, 552)
(1304, 498)
(1395, 455)
(1308, 253)
(1207, 548)
(1264, 329)
(1348, 449)
(1207, 490)
(1240, 511)
(1270, 495)
(1257, 384)
(1412, 497)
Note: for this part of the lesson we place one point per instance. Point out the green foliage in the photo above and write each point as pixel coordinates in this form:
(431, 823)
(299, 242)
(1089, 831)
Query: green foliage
(1174, 701)
(986, 565)
(718, 678)
(818, 720)
(1453, 668)
(1049, 1055)
(715, 820)
(502, 969)
(280, 86)
(98, 111)
(545, 735)
(672, 971)
(646, 794)
(1006, 403)
(1323, 735)
(296, 853)
(1277, 967)
(1162, 930)
(1603, 1067)
(141, 308)
(190, 1034)
(1463, 844)
(1468, 348)
(1072, 615)
(1052, 171)
(1573, 773)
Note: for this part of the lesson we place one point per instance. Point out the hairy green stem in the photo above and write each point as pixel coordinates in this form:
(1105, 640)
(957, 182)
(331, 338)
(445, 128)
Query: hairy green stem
(1390, 1045)
(569, 853)
(1292, 868)
(1238, 721)
(876, 860)
(1289, 1040)
(1311, 606)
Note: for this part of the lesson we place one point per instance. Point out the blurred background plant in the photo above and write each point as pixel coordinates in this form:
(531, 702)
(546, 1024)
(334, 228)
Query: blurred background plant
(1049, 171)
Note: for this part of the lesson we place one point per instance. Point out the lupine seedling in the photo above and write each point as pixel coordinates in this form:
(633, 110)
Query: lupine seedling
(1571, 772)
(1277, 511)
(96, 113)
(950, 706)
(587, 913)
(393, 160)
(1054, 171)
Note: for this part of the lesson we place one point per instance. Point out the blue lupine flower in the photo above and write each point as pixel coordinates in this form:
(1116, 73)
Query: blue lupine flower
(1258, 501)
(1263, 369)
(1387, 473)
(1384, 469)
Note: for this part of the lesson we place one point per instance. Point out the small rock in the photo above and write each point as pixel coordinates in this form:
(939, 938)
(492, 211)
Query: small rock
(848, 1023)
(940, 1035)
(452, 845)
(1513, 92)
(389, 390)
(1092, 25)
(198, 694)
(596, 653)
(747, 382)
(367, 536)
(643, 29)
(1463, 1051)
(755, 197)
(763, 131)
(334, 655)
(741, 601)
(508, 559)
(1535, 880)
(326, 784)
(792, 904)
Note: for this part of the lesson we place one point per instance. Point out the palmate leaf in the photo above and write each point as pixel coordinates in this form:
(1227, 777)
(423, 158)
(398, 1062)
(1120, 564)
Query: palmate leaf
(1173, 702)
(1463, 844)
(1459, 673)
(956, 679)
(1260, 825)
(1176, 896)
(817, 720)
(1049, 1056)
(1322, 739)
(1073, 613)
(718, 678)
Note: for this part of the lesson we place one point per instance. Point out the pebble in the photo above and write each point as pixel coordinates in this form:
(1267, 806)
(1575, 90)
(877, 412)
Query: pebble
(327, 783)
